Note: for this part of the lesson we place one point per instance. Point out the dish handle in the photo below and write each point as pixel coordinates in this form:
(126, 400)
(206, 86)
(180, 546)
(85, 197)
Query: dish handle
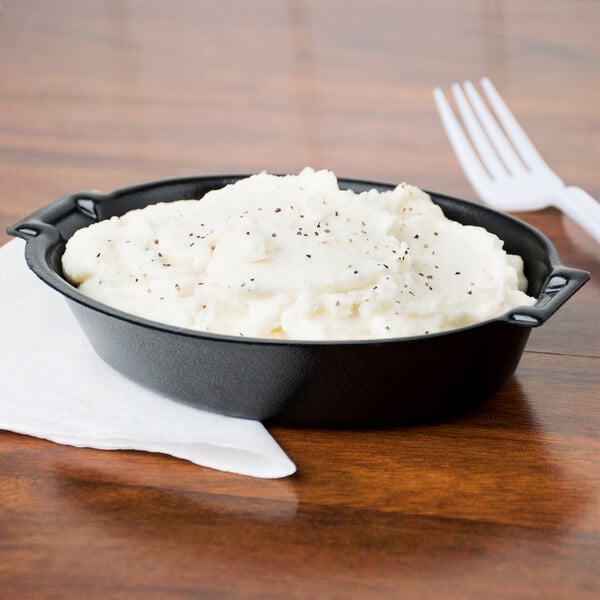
(29, 228)
(562, 283)
(45, 221)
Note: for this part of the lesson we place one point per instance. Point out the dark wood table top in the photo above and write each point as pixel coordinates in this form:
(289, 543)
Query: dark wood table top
(503, 502)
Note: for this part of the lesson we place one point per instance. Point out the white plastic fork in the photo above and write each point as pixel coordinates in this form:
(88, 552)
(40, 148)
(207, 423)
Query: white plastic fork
(502, 164)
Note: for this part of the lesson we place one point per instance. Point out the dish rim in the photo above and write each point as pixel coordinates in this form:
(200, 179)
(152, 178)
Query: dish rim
(42, 238)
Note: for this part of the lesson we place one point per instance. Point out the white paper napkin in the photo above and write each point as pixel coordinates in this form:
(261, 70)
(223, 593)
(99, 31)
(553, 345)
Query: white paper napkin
(55, 387)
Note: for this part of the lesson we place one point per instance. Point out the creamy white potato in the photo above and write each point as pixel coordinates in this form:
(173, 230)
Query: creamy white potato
(295, 257)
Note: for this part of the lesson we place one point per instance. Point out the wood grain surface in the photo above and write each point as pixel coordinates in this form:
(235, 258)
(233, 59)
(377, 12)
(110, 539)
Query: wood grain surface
(503, 502)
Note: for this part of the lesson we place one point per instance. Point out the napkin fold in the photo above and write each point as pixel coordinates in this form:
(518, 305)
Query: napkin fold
(55, 387)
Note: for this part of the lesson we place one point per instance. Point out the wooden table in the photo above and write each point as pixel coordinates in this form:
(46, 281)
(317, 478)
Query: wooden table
(500, 503)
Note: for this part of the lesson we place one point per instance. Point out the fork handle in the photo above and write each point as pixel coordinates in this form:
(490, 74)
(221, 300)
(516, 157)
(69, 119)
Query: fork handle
(581, 207)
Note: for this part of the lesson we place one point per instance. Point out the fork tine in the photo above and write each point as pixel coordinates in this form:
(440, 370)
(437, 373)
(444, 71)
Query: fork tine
(462, 148)
(507, 153)
(478, 138)
(515, 132)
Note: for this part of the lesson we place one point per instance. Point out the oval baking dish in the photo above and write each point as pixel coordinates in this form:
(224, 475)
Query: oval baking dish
(306, 383)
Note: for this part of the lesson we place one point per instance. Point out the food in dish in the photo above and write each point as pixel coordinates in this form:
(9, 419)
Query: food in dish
(295, 257)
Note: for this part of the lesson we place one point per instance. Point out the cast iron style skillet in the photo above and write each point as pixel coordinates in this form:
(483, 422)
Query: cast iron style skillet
(307, 383)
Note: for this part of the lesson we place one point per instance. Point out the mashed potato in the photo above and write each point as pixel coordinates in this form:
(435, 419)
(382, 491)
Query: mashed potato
(295, 257)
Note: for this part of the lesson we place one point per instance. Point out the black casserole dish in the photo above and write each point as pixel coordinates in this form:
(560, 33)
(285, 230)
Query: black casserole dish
(331, 384)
